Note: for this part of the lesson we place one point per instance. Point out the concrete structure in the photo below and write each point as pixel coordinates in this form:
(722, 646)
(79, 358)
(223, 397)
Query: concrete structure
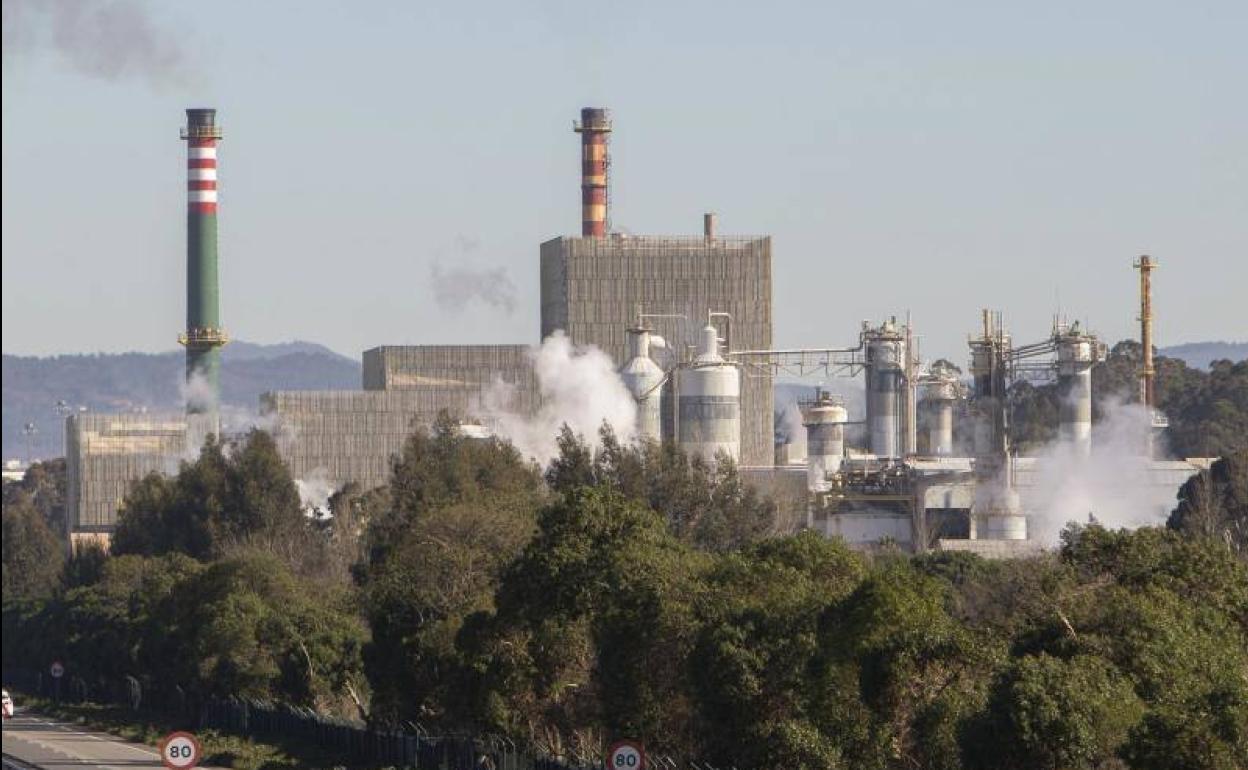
(458, 378)
(341, 436)
(997, 511)
(709, 402)
(1076, 353)
(594, 128)
(204, 334)
(644, 379)
(106, 453)
(592, 287)
(824, 419)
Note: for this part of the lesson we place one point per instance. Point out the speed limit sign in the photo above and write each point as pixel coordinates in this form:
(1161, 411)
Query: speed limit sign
(626, 755)
(57, 669)
(179, 750)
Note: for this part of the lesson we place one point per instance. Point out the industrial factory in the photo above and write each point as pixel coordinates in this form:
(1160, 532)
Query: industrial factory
(688, 322)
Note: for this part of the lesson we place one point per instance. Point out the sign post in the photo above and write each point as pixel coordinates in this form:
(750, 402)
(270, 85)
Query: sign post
(57, 670)
(179, 751)
(626, 755)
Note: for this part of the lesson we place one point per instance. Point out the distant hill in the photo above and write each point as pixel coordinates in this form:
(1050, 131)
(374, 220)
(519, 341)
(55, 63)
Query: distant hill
(107, 382)
(1200, 354)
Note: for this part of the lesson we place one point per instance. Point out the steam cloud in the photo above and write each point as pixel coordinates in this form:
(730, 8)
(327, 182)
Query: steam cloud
(792, 431)
(579, 388)
(314, 493)
(108, 39)
(1113, 484)
(454, 288)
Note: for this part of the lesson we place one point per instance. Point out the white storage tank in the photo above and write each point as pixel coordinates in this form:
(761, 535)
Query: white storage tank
(825, 420)
(644, 380)
(709, 403)
(939, 393)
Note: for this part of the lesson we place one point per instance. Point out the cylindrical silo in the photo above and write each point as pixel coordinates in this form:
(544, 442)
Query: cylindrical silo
(709, 402)
(644, 379)
(1075, 356)
(885, 379)
(825, 420)
(939, 392)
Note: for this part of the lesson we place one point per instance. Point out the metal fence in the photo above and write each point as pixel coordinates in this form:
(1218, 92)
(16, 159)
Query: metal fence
(413, 748)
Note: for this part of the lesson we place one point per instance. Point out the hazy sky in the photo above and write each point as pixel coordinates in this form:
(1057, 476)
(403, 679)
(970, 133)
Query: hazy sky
(935, 157)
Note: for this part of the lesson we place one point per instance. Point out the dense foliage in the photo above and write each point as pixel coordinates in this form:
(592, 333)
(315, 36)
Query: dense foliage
(629, 592)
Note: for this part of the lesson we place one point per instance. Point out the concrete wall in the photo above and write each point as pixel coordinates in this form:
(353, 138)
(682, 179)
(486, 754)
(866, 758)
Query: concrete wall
(341, 435)
(456, 377)
(105, 453)
(592, 289)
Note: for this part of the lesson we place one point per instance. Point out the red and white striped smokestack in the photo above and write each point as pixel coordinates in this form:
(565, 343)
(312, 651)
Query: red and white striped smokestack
(594, 125)
(201, 166)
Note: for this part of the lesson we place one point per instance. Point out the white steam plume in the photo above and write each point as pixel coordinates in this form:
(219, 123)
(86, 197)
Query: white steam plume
(108, 39)
(232, 420)
(314, 493)
(579, 387)
(792, 429)
(1112, 485)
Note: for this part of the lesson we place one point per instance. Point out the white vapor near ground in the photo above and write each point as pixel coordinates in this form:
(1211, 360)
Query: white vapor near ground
(579, 387)
(1112, 484)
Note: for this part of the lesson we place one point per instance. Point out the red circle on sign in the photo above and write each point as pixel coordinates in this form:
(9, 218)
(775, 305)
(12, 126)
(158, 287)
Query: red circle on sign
(179, 751)
(629, 754)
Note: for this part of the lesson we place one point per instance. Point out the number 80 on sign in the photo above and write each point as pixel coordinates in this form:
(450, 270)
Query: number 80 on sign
(179, 751)
(626, 755)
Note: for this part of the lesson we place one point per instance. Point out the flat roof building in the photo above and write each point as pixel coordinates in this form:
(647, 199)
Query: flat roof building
(594, 288)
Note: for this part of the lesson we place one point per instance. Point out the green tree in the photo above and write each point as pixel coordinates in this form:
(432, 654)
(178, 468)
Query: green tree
(591, 626)
(1047, 713)
(32, 553)
(217, 505)
(1214, 503)
(460, 510)
(43, 485)
(758, 634)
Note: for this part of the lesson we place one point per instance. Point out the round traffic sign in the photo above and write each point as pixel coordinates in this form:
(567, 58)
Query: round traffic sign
(626, 755)
(179, 750)
(57, 669)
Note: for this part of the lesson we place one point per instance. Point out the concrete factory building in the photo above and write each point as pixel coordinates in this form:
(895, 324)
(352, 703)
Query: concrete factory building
(688, 323)
(594, 288)
(345, 436)
(104, 454)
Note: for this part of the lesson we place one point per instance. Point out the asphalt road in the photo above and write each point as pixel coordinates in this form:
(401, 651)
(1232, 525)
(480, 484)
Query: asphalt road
(46, 743)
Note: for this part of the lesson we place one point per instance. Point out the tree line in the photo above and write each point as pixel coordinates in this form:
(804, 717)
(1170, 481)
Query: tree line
(627, 591)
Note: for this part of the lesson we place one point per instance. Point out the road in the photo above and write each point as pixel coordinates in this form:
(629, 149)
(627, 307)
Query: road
(46, 743)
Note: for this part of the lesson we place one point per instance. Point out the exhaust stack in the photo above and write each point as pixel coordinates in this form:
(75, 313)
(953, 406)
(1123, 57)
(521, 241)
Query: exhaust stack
(204, 334)
(594, 126)
(1147, 373)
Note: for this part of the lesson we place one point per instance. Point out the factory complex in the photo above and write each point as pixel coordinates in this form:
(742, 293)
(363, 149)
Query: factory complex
(687, 321)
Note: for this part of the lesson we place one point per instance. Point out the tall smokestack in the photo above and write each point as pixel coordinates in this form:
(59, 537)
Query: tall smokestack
(203, 335)
(594, 125)
(1147, 372)
(709, 220)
